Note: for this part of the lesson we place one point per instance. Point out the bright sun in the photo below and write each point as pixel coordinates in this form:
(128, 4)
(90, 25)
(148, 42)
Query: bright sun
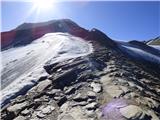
(43, 4)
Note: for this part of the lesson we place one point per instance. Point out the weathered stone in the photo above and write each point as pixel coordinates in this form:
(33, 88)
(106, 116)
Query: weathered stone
(77, 113)
(40, 114)
(91, 106)
(132, 84)
(65, 78)
(152, 114)
(34, 118)
(82, 103)
(39, 88)
(152, 103)
(125, 89)
(99, 114)
(20, 99)
(62, 100)
(43, 77)
(65, 106)
(79, 97)
(122, 81)
(96, 87)
(91, 100)
(133, 95)
(53, 91)
(110, 111)
(20, 118)
(91, 94)
(65, 117)
(57, 98)
(38, 100)
(113, 90)
(70, 90)
(90, 113)
(17, 107)
(48, 109)
(25, 112)
(43, 85)
(131, 112)
(139, 88)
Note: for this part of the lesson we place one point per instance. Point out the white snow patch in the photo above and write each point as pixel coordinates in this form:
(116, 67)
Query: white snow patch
(23, 66)
(139, 53)
(155, 46)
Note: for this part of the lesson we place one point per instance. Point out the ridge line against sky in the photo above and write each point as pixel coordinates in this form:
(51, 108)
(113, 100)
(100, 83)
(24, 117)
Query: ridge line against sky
(127, 20)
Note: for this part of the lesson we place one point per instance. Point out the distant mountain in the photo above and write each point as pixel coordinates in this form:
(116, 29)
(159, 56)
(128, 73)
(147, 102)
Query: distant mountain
(58, 70)
(32, 31)
(155, 41)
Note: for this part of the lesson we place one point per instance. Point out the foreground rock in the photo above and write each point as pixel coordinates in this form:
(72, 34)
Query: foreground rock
(96, 87)
(132, 112)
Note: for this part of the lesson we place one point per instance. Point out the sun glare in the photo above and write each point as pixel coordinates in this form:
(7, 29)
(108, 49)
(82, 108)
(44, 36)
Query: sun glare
(43, 4)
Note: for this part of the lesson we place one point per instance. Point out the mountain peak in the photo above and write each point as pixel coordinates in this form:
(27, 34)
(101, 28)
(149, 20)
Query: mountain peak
(32, 31)
(51, 22)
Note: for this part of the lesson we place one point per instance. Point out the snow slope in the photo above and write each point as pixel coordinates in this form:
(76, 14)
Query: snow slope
(139, 53)
(156, 46)
(23, 66)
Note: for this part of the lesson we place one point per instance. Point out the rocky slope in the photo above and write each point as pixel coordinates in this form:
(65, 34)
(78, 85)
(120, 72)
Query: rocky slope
(155, 41)
(107, 84)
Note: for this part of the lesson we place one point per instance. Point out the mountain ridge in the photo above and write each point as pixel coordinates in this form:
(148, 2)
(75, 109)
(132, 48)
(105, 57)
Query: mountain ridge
(155, 41)
(115, 81)
(36, 30)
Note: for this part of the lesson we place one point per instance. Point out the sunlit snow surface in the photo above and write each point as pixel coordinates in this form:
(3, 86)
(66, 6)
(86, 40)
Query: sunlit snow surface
(156, 46)
(22, 66)
(139, 53)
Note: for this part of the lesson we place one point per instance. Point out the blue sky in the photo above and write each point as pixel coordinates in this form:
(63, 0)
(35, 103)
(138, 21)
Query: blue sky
(119, 20)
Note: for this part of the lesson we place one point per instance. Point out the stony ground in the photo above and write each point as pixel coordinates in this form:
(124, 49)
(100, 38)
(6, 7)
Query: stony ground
(104, 85)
